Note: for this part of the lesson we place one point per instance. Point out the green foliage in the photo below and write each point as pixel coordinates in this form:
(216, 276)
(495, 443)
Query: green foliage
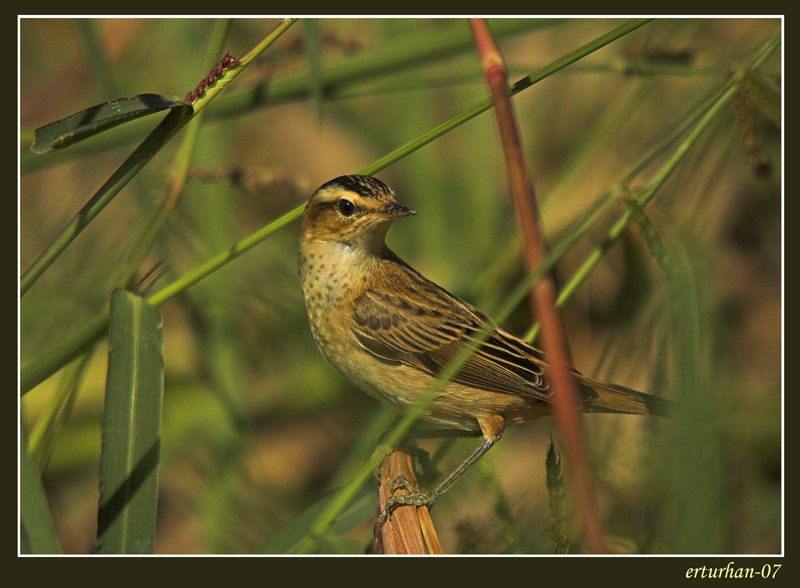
(673, 124)
(558, 506)
(100, 118)
(38, 531)
(131, 427)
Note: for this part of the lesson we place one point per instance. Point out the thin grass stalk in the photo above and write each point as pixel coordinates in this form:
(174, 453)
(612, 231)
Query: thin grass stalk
(402, 54)
(543, 297)
(313, 52)
(578, 54)
(175, 120)
(694, 125)
(37, 528)
(149, 148)
(41, 369)
(99, 63)
(54, 418)
(349, 491)
(336, 80)
(178, 176)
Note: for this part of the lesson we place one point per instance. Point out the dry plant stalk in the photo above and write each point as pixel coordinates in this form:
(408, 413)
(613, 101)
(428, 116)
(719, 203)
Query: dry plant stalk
(554, 341)
(410, 529)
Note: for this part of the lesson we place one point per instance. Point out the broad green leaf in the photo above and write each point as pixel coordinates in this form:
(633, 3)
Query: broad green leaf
(131, 427)
(97, 119)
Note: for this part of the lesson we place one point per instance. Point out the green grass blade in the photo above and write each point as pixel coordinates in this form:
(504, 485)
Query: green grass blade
(131, 427)
(695, 478)
(312, 44)
(100, 61)
(334, 79)
(36, 522)
(52, 422)
(154, 142)
(404, 53)
(92, 121)
(167, 128)
(39, 370)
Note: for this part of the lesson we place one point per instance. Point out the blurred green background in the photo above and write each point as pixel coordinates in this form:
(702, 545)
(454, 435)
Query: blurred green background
(257, 428)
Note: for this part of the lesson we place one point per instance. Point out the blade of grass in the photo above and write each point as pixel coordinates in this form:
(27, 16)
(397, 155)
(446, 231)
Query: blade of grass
(392, 57)
(288, 536)
(37, 523)
(42, 368)
(55, 417)
(100, 64)
(695, 125)
(178, 176)
(694, 478)
(311, 45)
(165, 130)
(335, 79)
(98, 119)
(340, 501)
(131, 427)
(155, 141)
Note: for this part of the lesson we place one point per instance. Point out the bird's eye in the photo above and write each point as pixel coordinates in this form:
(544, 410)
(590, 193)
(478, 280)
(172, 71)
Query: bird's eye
(346, 207)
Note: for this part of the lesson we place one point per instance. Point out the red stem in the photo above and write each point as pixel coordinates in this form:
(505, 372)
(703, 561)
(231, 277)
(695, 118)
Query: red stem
(542, 297)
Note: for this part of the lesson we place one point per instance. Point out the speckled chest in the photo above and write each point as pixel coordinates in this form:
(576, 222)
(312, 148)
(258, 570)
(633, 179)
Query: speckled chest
(333, 274)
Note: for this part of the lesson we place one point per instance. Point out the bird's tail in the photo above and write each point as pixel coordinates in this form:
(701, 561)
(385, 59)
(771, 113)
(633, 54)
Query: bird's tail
(598, 396)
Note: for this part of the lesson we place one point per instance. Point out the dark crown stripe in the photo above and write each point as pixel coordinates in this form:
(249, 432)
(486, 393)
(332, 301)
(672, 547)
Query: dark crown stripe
(365, 186)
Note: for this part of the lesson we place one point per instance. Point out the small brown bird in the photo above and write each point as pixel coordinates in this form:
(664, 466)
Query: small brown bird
(391, 331)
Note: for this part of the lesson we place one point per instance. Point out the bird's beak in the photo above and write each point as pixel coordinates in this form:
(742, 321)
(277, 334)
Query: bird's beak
(395, 209)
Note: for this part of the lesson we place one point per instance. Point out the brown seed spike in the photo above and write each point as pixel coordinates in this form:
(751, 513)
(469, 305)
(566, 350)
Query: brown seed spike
(227, 62)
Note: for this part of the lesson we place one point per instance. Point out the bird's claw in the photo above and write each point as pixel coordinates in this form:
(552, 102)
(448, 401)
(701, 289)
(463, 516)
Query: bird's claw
(415, 497)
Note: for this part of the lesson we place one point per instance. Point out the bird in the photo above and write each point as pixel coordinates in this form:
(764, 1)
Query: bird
(391, 331)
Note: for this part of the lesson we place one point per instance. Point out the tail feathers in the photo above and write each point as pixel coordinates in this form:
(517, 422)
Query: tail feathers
(597, 396)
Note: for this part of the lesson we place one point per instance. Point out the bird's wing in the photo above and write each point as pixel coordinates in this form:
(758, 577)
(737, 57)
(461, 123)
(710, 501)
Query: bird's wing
(415, 322)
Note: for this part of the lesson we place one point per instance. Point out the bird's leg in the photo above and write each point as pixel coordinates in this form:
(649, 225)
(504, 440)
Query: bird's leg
(492, 429)
(422, 457)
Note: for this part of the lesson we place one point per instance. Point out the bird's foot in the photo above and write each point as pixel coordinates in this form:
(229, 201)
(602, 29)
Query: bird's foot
(414, 497)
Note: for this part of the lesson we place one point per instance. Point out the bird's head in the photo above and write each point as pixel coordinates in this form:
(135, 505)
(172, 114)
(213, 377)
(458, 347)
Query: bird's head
(352, 210)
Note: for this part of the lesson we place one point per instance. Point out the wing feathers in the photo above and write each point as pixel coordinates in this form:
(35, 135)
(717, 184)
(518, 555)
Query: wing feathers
(427, 332)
